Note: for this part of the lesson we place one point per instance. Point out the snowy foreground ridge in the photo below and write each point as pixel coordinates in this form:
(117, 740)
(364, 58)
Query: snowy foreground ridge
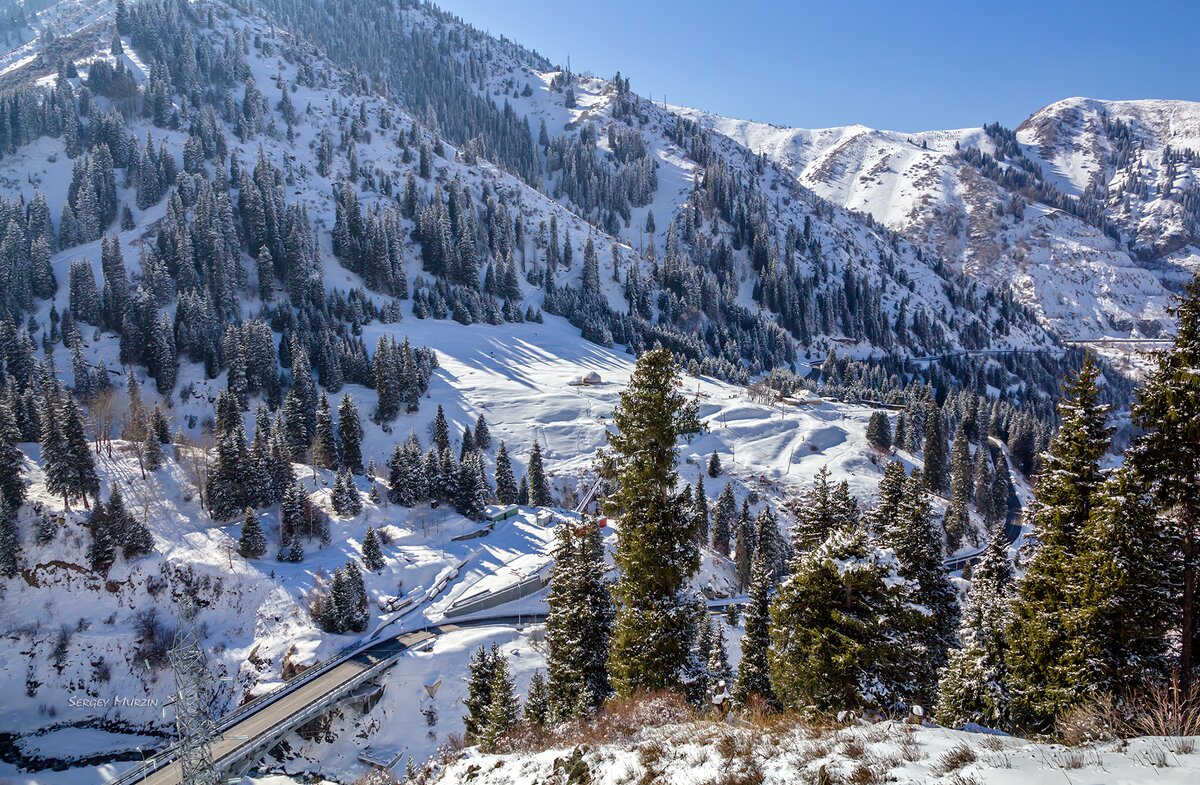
(720, 754)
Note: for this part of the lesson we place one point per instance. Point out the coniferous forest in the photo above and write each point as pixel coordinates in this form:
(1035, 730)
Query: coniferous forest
(324, 324)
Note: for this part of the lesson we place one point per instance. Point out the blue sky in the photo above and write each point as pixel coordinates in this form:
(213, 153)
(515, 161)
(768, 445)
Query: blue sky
(906, 66)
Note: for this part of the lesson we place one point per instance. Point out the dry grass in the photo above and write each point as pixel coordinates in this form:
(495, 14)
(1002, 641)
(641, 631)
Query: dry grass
(954, 759)
(1166, 708)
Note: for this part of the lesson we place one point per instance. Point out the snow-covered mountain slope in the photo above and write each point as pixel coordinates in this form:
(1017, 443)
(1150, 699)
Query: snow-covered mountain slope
(290, 185)
(1109, 271)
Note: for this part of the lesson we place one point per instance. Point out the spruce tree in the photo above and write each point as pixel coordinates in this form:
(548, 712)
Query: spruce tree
(754, 670)
(10, 542)
(832, 647)
(502, 709)
(815, 516)
(102, 547)
(1167, 458)
(350, 432)
(130, 533)
(936, 471)
(539, 486)
(879, 431)
(974, 683)
(700, 511)
(480, 671)
(1122, 584)
(914, 539)
(372, 555)
(957, 521)
(579, 623)
(1043, 684)
(656, 553)
(506, 484)
(537, 701)
(714, 465)
(324, 443)
(12, 484)
(252, 544)
(483, 436)
(723, 521)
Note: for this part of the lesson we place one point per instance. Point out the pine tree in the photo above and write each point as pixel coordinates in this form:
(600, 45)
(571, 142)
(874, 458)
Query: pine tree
(372, 555)
(957, 522)
(1122, 584)
(227, 494)
(815, 517)
(718, 660)
(537, 701)
(324, 443)
(700, 511)
(1042, 683)
(754, 673)
(936, 472)
(69, 466)
(441, 430)
(102, 550)
(506, 484)
(831, 645)
(523, 492)
(724, 520)
(130, 533)
(656, 553)
(714, 465)
(10, 542)
(539, 486)
(12, 484)
(480, 672)
(579, 623)
(879, 431)
(502, 709)
(890, 497)
(974, 683)
(470, 494)
(350, 432)
(1167, 458)
(483, 436)
(913, 537)
(252, 544)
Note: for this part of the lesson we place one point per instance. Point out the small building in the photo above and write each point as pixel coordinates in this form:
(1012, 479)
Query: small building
(586, 380)
(504, 513)
(544, 518)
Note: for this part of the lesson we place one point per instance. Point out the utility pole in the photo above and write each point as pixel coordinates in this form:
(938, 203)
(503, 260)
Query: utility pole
(193, 722)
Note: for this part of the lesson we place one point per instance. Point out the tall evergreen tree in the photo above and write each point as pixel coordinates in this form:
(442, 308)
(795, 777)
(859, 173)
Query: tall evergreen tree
(579, 623)
(957, 521)
(506, 484)
(656, 553)
(480, 671)
(913, 536)
(324, 443)
(1043, 684)
(372, 555)
(723, 521)
(10, 542)
(754, 670)
(1167, 457)
(350, 432)
(252, 544)
(539, 486)
(974, 682)
(502, 711)
(936, 470)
